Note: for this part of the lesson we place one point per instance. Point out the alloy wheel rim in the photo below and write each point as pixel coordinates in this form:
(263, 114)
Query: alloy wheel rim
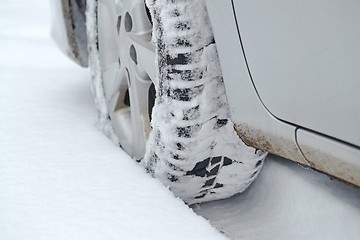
(127, 67)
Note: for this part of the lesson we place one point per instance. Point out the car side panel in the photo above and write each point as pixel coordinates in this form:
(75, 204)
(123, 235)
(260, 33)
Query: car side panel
(254, 124)
(335, 158)
(304, 59)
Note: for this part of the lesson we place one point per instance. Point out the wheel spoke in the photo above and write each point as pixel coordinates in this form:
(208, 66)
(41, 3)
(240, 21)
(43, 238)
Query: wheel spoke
(139, 90)
(116, 99)
(122, 120)
(127, 61)
(135, 17)
(110, 76)
(119, 6)
(145, 52)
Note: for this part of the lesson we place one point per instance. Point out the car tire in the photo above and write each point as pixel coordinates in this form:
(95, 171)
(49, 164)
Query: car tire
(192, 146)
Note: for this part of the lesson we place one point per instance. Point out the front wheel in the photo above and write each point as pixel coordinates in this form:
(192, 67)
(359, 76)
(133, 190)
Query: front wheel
(192, 146)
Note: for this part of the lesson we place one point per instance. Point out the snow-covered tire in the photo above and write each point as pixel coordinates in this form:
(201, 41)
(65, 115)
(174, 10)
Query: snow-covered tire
(193, 147)
(97, 87)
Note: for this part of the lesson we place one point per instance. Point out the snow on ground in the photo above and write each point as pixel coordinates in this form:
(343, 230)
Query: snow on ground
(60, 178)
(288, 201)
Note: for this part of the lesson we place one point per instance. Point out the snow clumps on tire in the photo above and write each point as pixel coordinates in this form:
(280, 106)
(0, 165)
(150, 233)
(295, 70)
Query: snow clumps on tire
(193, 147)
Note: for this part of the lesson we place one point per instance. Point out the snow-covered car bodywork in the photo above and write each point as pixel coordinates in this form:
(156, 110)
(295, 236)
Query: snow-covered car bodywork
(290, 71)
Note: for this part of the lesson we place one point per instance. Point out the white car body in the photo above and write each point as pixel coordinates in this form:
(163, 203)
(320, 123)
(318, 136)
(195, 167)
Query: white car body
(292, 76)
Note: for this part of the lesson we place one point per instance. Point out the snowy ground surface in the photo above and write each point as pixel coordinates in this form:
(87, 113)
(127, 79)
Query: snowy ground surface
(288, 201)
(60, 178)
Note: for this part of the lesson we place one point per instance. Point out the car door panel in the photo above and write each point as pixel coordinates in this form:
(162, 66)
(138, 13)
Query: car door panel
(304, 60)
